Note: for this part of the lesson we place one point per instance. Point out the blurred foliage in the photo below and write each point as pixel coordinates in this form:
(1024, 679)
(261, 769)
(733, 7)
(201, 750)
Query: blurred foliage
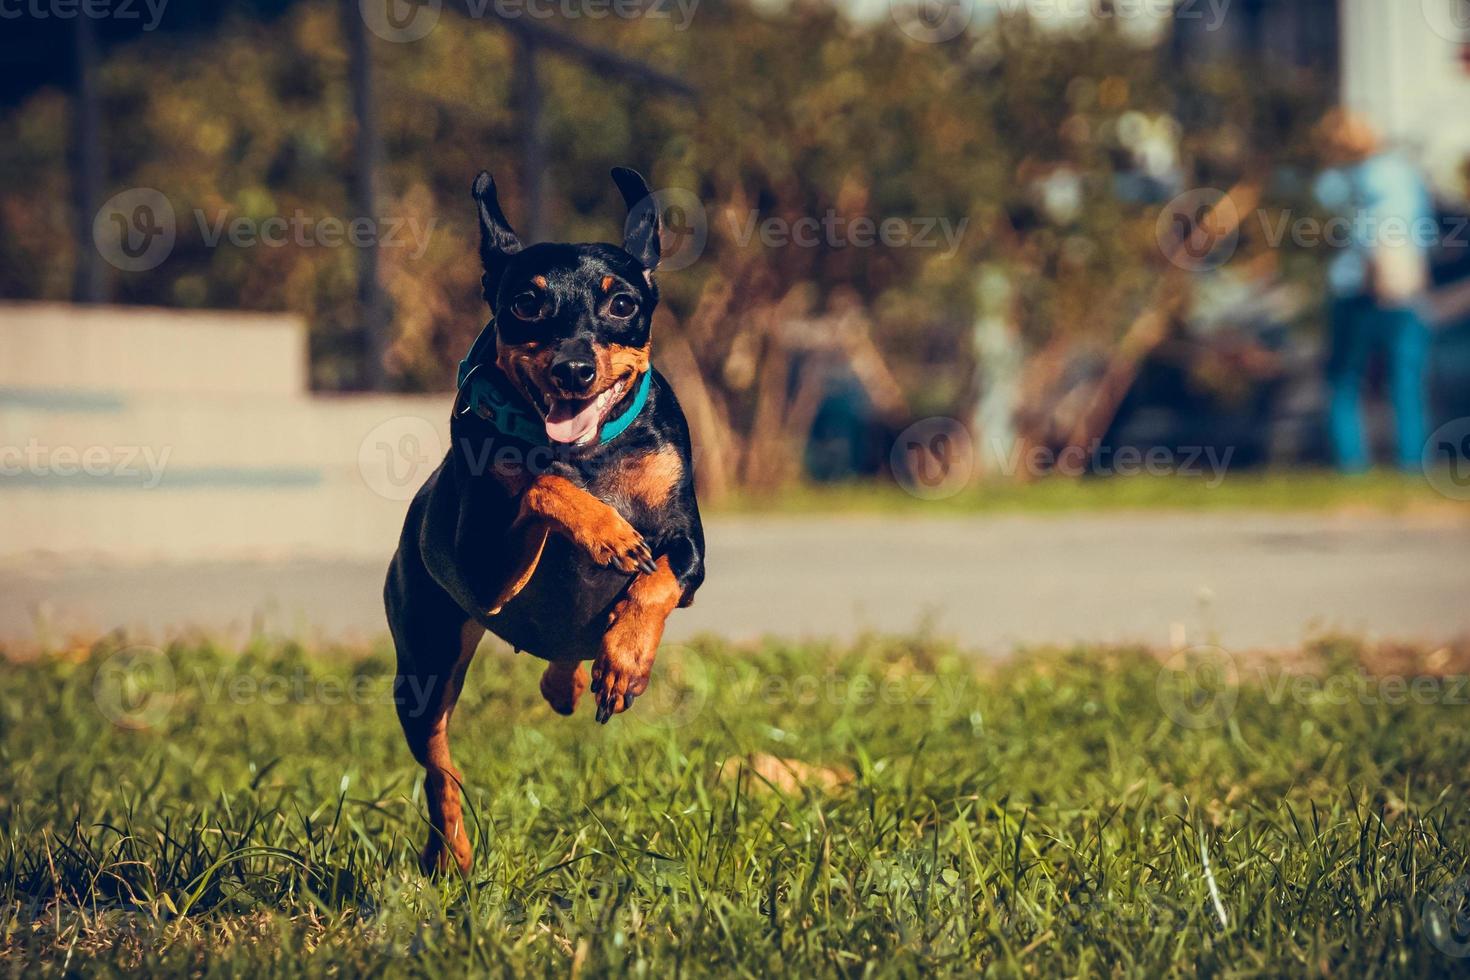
(1020, 132)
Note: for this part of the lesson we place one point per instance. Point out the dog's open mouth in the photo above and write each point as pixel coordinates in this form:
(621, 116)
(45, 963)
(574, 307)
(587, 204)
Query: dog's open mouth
(576, 421)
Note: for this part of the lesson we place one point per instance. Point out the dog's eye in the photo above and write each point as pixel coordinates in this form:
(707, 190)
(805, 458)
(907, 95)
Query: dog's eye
(527, 306)
(622, 306)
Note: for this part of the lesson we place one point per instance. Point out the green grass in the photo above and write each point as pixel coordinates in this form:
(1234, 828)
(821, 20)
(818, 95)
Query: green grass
(1044, 816)
(1386, 492)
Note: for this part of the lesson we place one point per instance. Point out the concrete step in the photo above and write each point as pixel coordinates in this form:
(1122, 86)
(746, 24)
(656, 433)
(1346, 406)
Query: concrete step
(181, 477)
(52, 351)
(231, 431)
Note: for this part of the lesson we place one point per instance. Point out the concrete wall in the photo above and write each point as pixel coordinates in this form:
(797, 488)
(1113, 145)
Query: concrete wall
(140, 435)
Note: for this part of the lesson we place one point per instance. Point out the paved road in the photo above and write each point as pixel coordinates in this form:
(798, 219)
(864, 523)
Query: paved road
(992, 583)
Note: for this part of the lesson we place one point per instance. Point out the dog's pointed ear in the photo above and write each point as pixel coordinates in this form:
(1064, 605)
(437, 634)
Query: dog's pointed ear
(498, 241)
(642, 227)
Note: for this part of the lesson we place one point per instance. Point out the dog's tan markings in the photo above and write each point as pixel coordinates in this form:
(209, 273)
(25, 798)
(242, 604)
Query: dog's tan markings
(449, 845)
(620, 672)
(607, 283)
(519, 362)
(589, 523)
(562, 684)
(539, 281)
(651, 477)
(620, 361)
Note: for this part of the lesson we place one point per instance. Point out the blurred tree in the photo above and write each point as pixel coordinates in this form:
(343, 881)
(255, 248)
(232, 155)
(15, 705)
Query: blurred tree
(86, 162)
(372, 304)
(1045, 154)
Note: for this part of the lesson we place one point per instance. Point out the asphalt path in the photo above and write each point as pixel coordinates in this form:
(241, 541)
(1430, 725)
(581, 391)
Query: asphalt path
(991, 583)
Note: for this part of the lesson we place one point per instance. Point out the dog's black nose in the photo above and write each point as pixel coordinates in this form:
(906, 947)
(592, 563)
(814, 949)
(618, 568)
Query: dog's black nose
(574, 374)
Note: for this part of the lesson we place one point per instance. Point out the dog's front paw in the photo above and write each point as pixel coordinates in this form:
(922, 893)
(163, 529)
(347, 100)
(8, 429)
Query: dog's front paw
(618, 677)
(613, 542)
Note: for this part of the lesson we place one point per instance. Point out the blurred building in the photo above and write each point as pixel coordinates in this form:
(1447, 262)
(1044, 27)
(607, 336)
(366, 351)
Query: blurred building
(1405, 64)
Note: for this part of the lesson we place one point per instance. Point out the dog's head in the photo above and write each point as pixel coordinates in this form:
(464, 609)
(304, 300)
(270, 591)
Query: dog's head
(572, 322)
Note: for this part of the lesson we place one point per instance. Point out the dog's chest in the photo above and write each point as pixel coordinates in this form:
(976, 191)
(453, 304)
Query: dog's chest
(615, 496)
(638, 484)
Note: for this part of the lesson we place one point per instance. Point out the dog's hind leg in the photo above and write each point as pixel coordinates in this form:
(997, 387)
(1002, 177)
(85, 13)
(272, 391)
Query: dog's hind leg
(562, 684)
(435, 643)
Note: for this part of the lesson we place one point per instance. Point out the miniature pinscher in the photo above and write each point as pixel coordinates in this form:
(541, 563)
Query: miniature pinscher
(563, 518)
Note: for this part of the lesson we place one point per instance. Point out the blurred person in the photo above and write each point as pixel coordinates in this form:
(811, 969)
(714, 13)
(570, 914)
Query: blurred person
(1376, 282)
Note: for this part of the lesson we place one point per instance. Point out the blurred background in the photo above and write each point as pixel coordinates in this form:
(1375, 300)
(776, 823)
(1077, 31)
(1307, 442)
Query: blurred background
(930, 255)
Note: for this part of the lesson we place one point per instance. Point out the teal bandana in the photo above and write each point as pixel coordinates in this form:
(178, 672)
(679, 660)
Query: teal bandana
(480, 394)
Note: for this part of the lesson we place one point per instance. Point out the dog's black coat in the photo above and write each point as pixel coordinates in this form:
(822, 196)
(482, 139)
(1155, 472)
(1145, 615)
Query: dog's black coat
(457, 539)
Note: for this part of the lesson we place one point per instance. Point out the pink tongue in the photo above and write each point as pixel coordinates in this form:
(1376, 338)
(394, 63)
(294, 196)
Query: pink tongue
(568, 423)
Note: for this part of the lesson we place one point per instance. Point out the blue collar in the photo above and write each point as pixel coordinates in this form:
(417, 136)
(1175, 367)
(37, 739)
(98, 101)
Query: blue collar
(481, 395)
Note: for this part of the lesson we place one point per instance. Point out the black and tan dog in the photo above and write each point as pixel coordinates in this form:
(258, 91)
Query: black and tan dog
(563, 518)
